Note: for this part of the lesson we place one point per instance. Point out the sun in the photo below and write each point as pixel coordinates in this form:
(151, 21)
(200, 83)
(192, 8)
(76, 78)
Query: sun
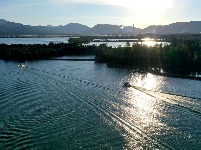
(145, 11)
(151, 7)
(142, 4)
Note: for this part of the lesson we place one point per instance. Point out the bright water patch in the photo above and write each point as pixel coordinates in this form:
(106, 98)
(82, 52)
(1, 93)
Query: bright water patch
(82, 105)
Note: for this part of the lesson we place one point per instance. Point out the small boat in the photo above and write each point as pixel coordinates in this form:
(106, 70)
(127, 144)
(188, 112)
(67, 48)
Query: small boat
(126, 84)
(22, 66)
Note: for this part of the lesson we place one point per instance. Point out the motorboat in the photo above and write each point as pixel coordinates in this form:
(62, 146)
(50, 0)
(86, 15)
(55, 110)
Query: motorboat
(126, 84)
(22, 66)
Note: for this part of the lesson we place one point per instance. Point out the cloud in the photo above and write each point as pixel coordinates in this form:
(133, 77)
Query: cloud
(126, 3)
(78, 1)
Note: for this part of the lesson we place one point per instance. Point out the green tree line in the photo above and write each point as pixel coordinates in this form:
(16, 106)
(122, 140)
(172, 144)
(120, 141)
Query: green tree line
(177, 57)
(21, 52)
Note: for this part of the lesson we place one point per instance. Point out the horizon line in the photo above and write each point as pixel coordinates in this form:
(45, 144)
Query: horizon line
(95, 24)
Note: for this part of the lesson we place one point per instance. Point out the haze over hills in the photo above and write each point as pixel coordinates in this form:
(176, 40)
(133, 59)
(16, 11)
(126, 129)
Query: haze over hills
(8, 28)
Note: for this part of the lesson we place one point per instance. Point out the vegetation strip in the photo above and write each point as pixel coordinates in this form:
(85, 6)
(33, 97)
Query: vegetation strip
(178, 59)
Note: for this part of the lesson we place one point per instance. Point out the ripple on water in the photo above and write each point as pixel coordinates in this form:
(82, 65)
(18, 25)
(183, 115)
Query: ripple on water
(55, 113)
(59, 110)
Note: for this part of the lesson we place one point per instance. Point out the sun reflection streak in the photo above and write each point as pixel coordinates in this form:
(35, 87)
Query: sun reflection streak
(144, 114)
(146, 110)
(143, 104)
(149, 43)
(146, 81)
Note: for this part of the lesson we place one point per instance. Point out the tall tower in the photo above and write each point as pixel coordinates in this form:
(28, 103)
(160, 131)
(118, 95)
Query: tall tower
(133, 30)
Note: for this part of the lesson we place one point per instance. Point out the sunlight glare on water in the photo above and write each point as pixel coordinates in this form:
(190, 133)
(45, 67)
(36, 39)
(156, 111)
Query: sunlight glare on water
(147, 112)
(149, 43)
(147, 81)
(144, 113)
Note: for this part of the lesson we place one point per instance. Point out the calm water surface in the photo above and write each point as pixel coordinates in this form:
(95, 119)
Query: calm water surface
(32, 40)
(65, 40)
(83, 105)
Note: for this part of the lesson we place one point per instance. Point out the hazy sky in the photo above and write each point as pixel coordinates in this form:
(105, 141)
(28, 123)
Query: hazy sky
(142, 13)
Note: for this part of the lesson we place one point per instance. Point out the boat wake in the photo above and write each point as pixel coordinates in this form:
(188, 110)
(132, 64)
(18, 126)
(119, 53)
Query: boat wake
(106, 104)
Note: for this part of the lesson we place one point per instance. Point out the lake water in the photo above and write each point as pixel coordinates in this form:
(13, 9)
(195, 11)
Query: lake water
(32, 40)
(84, 105)
(122, 44)
(65, 40)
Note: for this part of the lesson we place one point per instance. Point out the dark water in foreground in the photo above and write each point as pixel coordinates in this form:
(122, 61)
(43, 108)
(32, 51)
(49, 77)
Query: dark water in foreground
(83, 105)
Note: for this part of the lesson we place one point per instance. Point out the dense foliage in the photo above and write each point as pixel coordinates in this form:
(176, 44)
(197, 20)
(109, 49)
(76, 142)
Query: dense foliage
(38, 51)
(82, 39)
(178, 57)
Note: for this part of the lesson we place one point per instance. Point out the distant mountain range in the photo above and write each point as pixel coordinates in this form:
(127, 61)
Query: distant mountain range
(8, 28)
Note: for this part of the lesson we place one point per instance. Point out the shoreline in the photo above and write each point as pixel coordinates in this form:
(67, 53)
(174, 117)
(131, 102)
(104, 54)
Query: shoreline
(109, 65)
(144, 70)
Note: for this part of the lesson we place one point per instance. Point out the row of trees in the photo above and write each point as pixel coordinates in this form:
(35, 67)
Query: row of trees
(178, 57)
